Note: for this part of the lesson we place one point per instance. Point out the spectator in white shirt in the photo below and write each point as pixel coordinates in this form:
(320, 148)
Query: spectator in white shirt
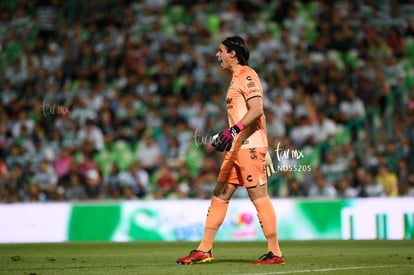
(46, 180)
(91, 132)
(332, 169)
(370, 187)
(351, 107)
(321, 188)
(136, 178)
(149, 154)
(53, 58)
(302, 133)
(275, 127)
(345, 190)
(325, 128)
(16, 74)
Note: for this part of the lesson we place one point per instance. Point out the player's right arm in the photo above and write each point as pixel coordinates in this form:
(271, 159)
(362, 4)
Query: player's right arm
(254, 110)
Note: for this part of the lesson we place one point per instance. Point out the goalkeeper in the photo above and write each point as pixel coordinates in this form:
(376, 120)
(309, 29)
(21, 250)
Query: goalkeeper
(245, 144)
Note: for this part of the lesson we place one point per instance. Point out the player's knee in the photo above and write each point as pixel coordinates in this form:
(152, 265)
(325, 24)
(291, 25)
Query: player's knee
(257, 192)
(224, 191)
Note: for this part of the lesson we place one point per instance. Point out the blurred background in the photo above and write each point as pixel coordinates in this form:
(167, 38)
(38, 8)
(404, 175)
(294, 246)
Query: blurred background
(117, 99)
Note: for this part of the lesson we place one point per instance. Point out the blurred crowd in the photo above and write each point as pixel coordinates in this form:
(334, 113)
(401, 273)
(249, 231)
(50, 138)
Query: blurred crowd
(118, 99)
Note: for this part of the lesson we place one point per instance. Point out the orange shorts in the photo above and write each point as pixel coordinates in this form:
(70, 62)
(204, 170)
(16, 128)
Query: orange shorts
(245, 167)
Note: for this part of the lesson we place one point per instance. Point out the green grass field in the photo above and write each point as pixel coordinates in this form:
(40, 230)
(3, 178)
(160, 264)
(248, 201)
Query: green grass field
(311, 257)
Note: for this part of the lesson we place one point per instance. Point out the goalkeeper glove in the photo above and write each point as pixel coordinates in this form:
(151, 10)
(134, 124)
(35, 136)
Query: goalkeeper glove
(270, 169)
(225, 138)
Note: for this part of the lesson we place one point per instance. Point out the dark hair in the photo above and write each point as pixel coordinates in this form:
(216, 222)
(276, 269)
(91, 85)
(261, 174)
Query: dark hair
(237, 44)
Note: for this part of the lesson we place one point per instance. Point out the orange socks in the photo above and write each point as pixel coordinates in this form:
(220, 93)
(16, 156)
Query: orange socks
(218, 210)
(267, 218)
(215, 216)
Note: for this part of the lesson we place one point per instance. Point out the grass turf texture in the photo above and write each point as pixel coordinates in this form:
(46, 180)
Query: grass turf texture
(310, 257)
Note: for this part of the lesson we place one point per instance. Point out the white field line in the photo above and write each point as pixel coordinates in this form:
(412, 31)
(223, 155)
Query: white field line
(321, 270)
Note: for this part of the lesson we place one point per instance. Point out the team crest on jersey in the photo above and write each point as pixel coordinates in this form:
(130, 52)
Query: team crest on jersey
(249, 78)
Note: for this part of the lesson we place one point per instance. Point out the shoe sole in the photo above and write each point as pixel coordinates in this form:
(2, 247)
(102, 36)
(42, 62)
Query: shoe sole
(203, 261)
(269, 263)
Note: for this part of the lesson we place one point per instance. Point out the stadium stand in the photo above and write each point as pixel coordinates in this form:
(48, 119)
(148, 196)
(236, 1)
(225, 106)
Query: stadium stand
(115, 99)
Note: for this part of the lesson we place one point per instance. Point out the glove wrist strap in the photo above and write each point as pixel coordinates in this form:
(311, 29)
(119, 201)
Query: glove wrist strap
(237, 128)
(240, 126)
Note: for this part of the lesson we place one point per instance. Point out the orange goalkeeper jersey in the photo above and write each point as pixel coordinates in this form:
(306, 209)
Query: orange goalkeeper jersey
(245, 85)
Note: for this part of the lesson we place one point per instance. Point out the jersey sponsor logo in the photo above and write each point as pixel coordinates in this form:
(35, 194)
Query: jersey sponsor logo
(254, 91)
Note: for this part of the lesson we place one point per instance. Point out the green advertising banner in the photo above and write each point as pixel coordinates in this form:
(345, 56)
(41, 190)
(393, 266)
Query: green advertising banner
(297, 220)
(183, 220)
